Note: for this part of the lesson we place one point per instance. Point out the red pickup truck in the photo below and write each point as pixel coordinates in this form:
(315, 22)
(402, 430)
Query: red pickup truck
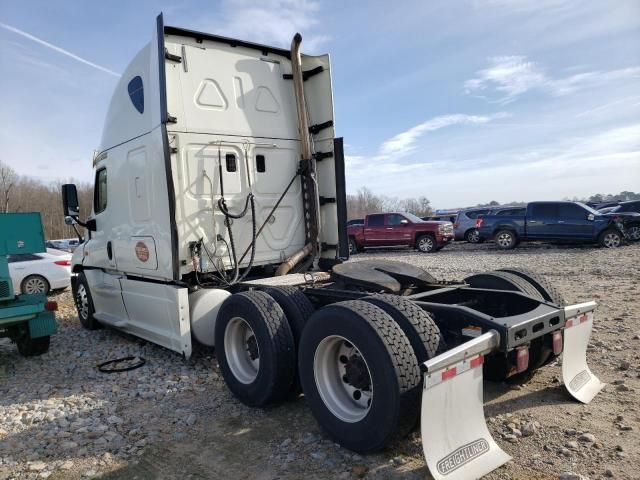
(399, 229)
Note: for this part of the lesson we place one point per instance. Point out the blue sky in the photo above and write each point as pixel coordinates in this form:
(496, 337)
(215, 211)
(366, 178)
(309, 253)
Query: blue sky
(464, 102)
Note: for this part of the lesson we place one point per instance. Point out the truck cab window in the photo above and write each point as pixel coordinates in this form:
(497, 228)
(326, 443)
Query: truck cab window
(394, 219)
(571, 211)
(376, 220)
(100, 191)
(546, 210)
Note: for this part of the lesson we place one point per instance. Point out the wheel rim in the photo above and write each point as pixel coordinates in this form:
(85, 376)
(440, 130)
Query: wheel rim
(504, 240)
(351, 247)
(474, 237)
(35, 285)
(82, 302)
(634, 233)
(425, 244)
(343, 379)
(241, 350)
(611, 240)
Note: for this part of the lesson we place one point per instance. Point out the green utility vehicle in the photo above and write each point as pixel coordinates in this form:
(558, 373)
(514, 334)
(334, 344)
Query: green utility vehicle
(28, 320)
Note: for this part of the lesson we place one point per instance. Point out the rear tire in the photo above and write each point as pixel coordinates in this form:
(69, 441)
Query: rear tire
(472, 236)
(503, 281)
(426, 244)
(540, 283)
(505, 239)
(34, 284)
(541, 349)
(31, 347)
(417, 325)
(297, 309)
(255, 348)
(497, 367)
(610, 238)
(353, 246)
(347, 350)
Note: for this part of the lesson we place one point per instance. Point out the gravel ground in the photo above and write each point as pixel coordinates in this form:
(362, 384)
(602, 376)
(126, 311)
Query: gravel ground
(62, 419)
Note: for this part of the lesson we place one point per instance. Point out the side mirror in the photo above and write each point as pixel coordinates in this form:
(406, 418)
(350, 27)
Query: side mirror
(591, 217)
(70, 205)
(404, 221)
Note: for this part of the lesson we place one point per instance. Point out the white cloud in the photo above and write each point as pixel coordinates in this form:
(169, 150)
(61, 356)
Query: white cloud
(57, 49)
(405, 142)
(271, 22)
(512, 76)
(509, 75)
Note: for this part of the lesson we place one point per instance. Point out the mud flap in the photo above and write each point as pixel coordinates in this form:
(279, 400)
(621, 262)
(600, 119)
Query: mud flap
(577, 376)
(456, 441)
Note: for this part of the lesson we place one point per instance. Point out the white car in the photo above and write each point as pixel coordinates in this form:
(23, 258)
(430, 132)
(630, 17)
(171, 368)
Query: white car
(40, 272)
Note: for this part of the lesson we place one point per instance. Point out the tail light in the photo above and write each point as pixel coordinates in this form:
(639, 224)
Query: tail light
(557, 342)
(522, 358)
(51, 306)
(479, 222)
(63, 263)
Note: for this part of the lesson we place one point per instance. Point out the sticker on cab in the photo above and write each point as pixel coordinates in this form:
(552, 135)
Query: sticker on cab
(142, 251)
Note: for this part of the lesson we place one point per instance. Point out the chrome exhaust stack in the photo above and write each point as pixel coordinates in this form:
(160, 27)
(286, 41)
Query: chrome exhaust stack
(308, 166)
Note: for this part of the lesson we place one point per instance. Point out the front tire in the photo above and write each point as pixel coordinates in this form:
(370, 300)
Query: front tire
(255, 348)
(506, 239)
(84, 304)
(610, 238)
(35, 284)
(426, 244)
(634, 232)
(359, 375)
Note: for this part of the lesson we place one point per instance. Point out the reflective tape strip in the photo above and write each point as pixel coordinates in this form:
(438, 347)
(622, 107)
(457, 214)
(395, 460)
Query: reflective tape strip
(572, 322)
(435, 378)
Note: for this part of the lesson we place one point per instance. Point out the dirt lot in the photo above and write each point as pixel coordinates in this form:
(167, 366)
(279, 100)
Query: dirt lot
(62, 419)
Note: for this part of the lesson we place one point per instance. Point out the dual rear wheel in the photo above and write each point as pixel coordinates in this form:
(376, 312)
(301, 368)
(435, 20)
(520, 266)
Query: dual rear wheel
(357, 361)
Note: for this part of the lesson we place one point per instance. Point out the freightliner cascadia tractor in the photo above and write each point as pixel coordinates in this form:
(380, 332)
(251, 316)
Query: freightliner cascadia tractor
(219, 217)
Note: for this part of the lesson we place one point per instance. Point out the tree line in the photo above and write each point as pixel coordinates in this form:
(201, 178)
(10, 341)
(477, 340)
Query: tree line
(365, 202)
(24, 194)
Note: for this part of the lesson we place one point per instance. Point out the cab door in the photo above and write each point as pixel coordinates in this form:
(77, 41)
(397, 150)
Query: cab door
(397, 232)
(573, 222)
(100, 267)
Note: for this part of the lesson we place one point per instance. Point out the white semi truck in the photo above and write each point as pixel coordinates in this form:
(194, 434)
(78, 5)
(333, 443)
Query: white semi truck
(219, 217)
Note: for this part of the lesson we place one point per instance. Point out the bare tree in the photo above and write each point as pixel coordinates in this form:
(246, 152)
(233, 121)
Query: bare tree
(8, 179)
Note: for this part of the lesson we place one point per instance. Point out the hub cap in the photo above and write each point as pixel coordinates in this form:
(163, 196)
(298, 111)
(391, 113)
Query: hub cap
(425, 244)
(352, 248)
(82, 302)
(634, 233)
(242, 351)
(35, 285)
(474, 236)
(611, 240)
(504, 240)
(343, 379)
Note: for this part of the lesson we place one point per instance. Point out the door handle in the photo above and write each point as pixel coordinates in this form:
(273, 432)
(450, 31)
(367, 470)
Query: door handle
(560, 221)
(109, 250)
(389, 228)
(532, 221)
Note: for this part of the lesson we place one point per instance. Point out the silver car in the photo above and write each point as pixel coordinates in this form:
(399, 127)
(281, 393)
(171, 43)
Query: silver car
(464, 227)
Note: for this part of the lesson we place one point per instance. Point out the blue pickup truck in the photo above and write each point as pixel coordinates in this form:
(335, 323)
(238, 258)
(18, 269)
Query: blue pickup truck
(557, 221)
